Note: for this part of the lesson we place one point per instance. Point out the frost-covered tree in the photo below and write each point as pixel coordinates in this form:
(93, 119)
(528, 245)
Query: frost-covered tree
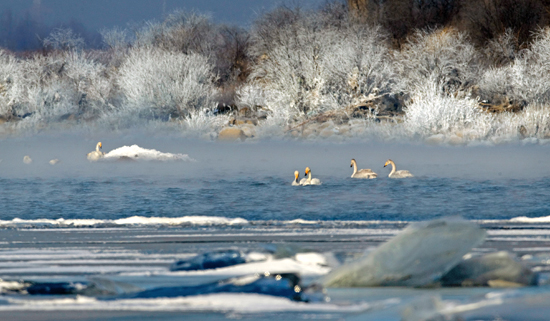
(10, 88)
(160, 83)
(359, 64)
(181, 31)
(291, 48)
(115, 38)
(311, 62)
(432, 112)
(526, 79)
(444, 56)
(64, 39)
(41, 88)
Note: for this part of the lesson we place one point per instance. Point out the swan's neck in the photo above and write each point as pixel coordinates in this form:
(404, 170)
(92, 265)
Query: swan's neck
(296, 180)
(392, 168)
(97, 148)
(354, 168)
(309, 176)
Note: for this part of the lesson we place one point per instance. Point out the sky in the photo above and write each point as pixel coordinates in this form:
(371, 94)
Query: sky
(98, 14)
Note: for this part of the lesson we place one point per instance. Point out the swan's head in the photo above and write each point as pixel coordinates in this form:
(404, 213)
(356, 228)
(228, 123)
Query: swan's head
(389, 161)
(99, 145)
(352, 161)
(296, 175)
(307, 170)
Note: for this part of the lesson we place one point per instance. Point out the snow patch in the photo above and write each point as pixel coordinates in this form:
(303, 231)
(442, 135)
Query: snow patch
(130, 221)
(142, 154)
(525, 219)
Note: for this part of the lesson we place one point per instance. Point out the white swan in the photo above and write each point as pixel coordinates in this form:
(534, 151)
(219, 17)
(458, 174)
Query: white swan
(54, 161)
(96, 154)
(397, 174)
(27, 159)
(295, 181)
(362, 173)
(309, 180)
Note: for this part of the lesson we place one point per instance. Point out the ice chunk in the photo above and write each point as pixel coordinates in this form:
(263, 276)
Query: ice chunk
(417, 256)
(12, 286)
(493, 269)
(283, 285)
(210, 260)
(56, 288)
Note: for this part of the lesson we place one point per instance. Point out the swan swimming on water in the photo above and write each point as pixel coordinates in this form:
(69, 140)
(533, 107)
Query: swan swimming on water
(96, 154)
(27, 159)
(309, 180)
(362, 173)
(295, 181)
(397, 174)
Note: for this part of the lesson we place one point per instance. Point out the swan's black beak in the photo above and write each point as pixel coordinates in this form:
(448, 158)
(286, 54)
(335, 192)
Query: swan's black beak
(384, 165)
(350, 165)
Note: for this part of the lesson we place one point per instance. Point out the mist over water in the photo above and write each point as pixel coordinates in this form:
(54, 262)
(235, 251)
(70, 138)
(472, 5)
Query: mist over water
(267, 158)
(118, 226)
(252, 180)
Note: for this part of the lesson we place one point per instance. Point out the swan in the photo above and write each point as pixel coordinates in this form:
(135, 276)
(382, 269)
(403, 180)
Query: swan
(397, 174)
(362, 173)
(27, 159)
(309, 180)
(295, 181)
(54, 161)
(96, 154)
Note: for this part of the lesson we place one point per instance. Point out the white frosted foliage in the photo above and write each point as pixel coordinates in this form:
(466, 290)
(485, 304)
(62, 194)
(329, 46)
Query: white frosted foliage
(162, 82)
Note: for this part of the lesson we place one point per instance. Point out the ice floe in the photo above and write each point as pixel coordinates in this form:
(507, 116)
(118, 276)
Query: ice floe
(270, 266)
(417, 256)
(498, 269)
(210, 260)
(282, 285)
(137, 153)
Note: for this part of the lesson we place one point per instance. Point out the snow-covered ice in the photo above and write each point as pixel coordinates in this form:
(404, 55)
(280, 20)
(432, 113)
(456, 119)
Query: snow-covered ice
(137, 153)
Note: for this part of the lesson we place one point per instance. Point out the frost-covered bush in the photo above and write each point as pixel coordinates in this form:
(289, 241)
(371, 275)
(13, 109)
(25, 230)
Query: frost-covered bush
(203, 121)
(432, 112)
(527, 78)
(251, 96)
(91, 81)
(188, 32)
(291, 60)
(503, 49)
(443, 55)
(64, 39)
(117, 43)
(115, 38)
(181, 31)
(534, 121)
(10, 87)
(307, 63)
(160, 83)
(358, 65)
(51, 87)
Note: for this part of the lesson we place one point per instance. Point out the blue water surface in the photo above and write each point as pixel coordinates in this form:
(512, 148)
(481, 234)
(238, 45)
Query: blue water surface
(272, 198)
